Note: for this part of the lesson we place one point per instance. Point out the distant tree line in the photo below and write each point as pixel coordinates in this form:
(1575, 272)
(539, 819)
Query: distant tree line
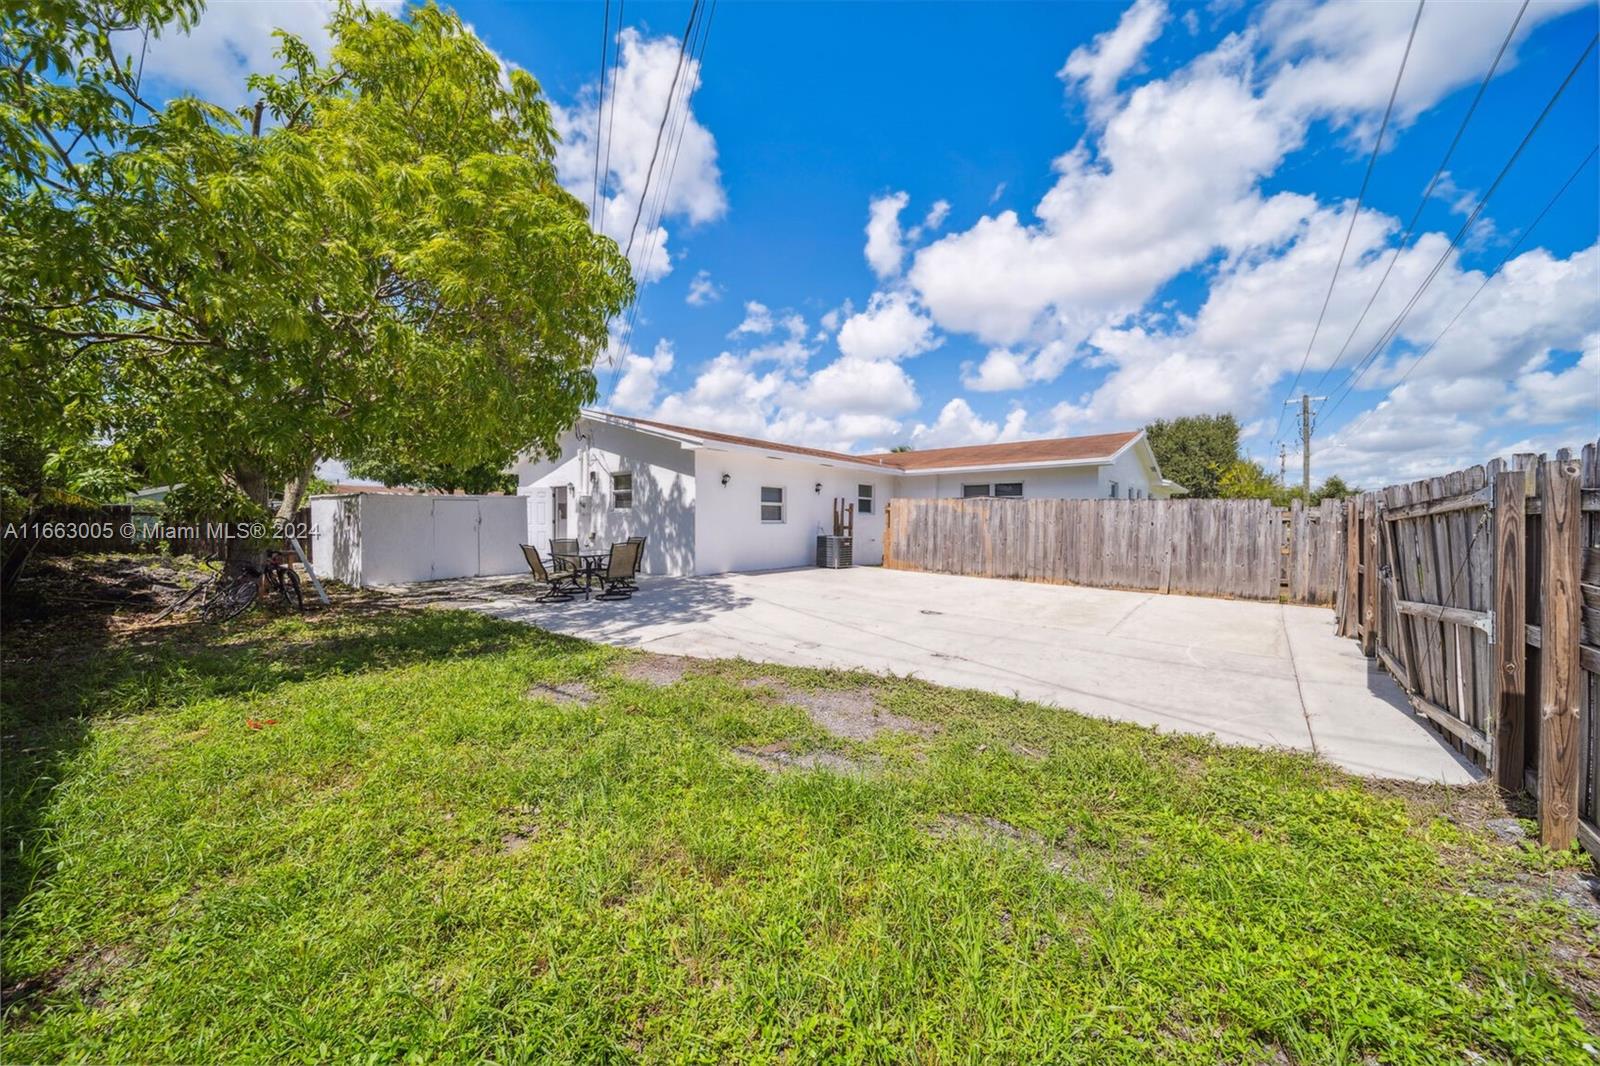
(1201, 453)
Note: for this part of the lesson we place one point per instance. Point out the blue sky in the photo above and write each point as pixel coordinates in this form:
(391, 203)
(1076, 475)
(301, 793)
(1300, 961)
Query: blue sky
(1136, 210)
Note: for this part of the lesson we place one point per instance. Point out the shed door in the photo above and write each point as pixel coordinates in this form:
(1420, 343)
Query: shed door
(455, 537)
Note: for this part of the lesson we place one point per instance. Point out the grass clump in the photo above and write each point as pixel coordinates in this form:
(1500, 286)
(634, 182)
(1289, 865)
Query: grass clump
(437, 835)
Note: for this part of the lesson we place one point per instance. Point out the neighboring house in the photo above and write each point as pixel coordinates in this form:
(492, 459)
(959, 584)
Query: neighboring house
(713, 502)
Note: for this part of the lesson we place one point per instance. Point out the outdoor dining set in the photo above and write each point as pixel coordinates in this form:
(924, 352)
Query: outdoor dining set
(571, 570)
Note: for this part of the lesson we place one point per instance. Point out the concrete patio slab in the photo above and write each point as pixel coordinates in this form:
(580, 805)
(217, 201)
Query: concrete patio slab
(1261, 674)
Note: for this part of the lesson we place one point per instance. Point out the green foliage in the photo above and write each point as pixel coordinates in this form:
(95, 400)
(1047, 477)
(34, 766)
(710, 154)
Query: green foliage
(379, 256)
(1246, 479)
(478, 479)
(454, 838)
(1195, 451)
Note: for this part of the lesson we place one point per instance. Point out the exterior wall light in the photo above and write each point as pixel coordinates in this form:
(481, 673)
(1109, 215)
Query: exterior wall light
(819, 488)
(724, 479)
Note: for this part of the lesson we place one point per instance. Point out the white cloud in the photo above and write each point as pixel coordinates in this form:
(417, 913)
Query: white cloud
(1098, 66)
(891, 327)
(641, 376)
(632, 114)
(936, 215)
(958, 423)
(757, 319)
(229, 42)
(702, 290)
(885, 252)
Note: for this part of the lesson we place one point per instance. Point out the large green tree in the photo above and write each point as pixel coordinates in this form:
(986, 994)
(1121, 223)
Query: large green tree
(1196, 450)
(374, 259)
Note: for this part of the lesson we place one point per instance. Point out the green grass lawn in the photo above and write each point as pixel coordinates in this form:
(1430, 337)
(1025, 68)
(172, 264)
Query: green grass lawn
(456, 838)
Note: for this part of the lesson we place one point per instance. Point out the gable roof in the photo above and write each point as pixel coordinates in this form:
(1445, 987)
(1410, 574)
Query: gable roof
(1100, 448)
(1081, 451)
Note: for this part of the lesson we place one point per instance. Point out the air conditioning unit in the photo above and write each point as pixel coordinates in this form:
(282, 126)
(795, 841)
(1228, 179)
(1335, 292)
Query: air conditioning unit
(833, 552)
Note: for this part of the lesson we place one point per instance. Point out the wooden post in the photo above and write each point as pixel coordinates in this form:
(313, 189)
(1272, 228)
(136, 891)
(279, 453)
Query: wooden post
(1352, 563)
(1509, 652)
(1369, 553)
(1558, 658)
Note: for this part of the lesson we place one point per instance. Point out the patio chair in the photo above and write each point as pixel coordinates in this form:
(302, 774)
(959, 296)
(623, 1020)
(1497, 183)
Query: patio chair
(559, 585)
(638, 560)
(616, 580)
(564, 554)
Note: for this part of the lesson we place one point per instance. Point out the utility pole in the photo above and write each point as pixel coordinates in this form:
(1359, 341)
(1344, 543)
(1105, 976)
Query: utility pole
(1305, 439)
(1283, 461)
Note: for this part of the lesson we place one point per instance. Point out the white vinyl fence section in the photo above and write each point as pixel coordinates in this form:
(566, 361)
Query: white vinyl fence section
(386, 538)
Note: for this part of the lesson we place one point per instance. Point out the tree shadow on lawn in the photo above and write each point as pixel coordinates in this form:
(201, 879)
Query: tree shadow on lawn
(56, 685)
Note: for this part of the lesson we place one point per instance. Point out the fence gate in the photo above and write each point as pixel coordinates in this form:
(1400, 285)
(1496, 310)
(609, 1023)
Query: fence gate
(1480, 592)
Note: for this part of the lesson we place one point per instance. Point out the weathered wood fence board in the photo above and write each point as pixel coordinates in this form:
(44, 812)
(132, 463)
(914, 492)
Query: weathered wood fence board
(1243, 548)
(1480, 592)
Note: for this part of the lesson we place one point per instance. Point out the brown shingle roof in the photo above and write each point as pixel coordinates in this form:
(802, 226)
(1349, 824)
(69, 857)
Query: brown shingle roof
(1058, 449)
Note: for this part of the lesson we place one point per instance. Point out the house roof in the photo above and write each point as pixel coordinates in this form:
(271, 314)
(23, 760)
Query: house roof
(1099, 448)
(1102, 447)
(745, 442)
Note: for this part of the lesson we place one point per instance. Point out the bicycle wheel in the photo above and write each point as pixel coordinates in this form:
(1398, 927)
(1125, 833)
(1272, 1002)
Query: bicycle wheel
(232, 600)
(288, 585)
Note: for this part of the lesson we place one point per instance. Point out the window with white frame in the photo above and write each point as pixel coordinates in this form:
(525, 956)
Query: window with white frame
(1011, 489)
(771, 503)
(969, 492)
(622, 492)
(863, 499)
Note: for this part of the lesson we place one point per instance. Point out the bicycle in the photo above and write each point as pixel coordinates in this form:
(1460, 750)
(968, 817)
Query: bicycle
(232, 590)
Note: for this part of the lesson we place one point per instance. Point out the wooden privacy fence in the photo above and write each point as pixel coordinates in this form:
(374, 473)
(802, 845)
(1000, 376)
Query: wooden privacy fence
(1244, 548)
(1480, 592)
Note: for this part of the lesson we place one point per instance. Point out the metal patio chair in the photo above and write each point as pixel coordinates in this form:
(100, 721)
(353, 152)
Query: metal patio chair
(616, 580)
(638, 560)
(559, 585)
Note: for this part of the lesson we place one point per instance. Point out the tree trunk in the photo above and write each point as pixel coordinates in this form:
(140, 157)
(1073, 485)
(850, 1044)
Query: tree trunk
(294, 492)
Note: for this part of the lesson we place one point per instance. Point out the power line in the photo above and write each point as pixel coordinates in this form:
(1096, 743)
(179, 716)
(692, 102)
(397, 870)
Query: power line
(1428, 193)
(1526, 233)
(611, 126)
(675, 142)
(605, 44)
(1372, 162)
(644, 192)
(1356, 373)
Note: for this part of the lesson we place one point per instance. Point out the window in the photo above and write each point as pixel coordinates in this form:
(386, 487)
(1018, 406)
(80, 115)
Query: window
(971, 491)
(622, 492)
(771, 504)
(1008, 488)
(863, 499)
(1113, 490)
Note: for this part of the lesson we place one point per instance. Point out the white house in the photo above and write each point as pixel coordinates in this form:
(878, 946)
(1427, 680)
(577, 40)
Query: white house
(712, 502)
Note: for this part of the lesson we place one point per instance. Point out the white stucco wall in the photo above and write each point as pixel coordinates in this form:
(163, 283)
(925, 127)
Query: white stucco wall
(1043, 483)
(1130, 470)
(730, 535)
(663, 493)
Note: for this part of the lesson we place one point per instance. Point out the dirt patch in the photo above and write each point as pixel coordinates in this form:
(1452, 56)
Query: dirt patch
(995, 832)
(776, 758)
(656, 669)
(525, 829)
(84, 975)
(852, 714)
(568, 693)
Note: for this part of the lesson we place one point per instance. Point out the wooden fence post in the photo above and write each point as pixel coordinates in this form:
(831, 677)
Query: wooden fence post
(1508, 681)
(1558, 659)
(1351, 613)
(1369, 553)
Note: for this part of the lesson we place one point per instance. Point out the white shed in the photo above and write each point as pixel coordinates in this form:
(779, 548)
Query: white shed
(379, 538)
